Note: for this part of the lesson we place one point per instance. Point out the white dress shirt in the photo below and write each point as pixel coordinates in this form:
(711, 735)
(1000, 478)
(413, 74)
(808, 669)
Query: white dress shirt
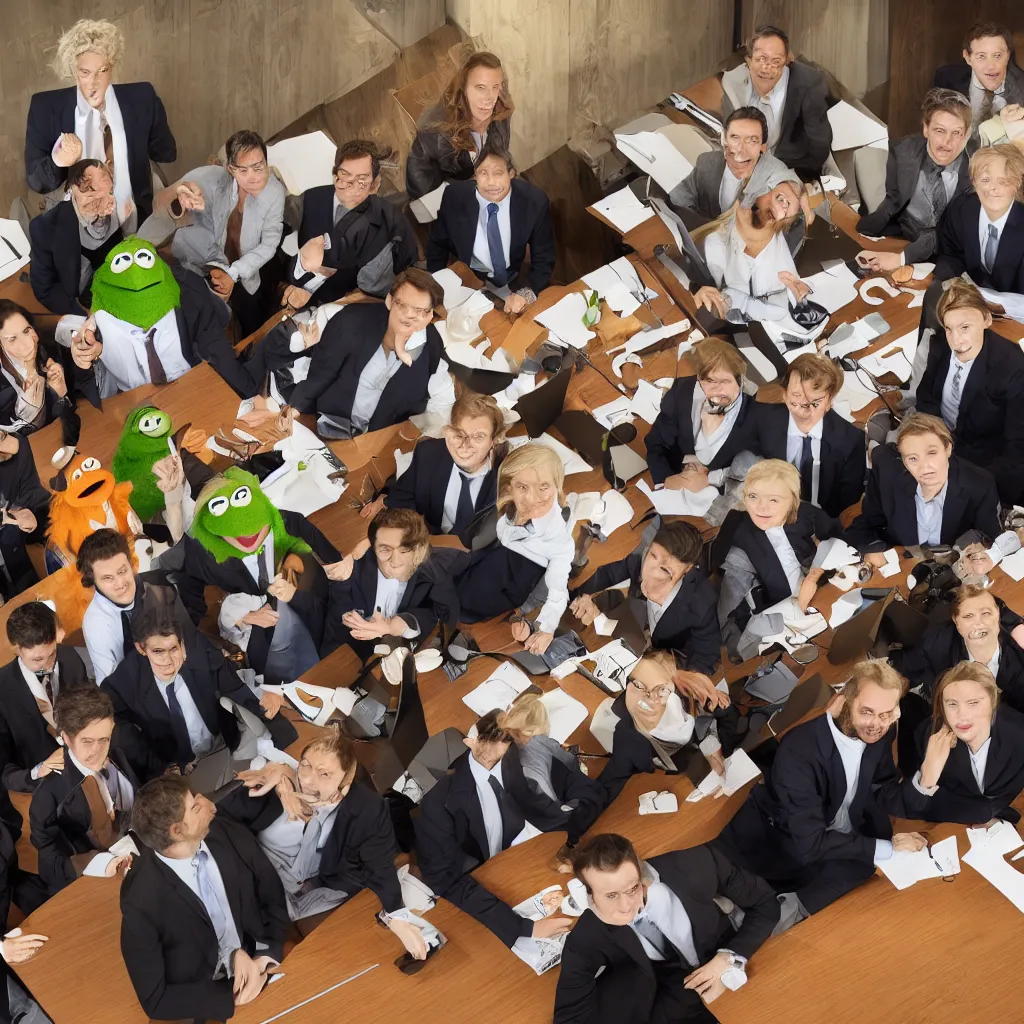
(104, 636)
(37, 690)
(729, 190)
(187, 869)
(23, 409)
(978, 762)
(481, 261)
(199, 736)
(252, 561)
(751, 283)
(299, 271)
(787, 557)
(851, 750)
(978, 98)
(655, 611)
(665, 911)
(548, 542)
(929, 516)
(707, 448)
(949, 404)
(389, 594)
(454, 492)
(676, 724)
(382, 366)
(795, 446)
(124, 361)
(992, 664)
(281, 841)
(772, 106)
(490, 809)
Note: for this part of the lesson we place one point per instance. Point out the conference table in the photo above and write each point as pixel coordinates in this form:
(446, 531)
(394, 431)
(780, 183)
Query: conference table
(926, 954)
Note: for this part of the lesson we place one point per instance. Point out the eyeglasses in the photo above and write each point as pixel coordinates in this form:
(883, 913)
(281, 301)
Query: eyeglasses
(660, 693)
(255, 168)
(768, 62)
(359, 181)
(806, 406)
(477, 440)
(414, 310)
(385, 551)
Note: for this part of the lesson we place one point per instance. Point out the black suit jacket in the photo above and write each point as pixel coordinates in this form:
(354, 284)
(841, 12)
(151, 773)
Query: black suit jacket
(167, 940)
(20, 487)
(454, 232)
(24, 739)
(889, 513)
(989, 428)
(843, 453)
(688, 625)
(607, 976)
(358, 237)
(145, 129)
(208, 676)
(424, 484)
(56, 406)
(959, 247)
(958, 77)
(671, 436)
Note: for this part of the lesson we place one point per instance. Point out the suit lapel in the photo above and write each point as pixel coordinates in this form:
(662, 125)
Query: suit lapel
(1011, 246)
(627, 940)
(201, 700)
(971, 212)
(187, 896)
(440, 474)
(955, 503)
(518, 210)
(463, 227)
(184, 337)
(463, 797)
(908, 169)
(793, 102)
(224, 856)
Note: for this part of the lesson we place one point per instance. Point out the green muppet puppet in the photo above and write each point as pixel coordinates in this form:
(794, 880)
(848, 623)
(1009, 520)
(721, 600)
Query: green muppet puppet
(145, 440)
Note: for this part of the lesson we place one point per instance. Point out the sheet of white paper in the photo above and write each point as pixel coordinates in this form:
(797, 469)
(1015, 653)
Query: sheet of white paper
(922, 270)
(603, 626)
(626, 462)
(892, 563)
(792, 353)
(616, 411)
(893, 361)
(647, 401)
(425, 208)
(654, 802)
(842, 408)
(455, 292)
(644, 339)
(670, 502)
(304, 161)
(572, 462)
(833, 290)
(1013, 565)
(498, 690)
(655, 155)
(759, 361)
(947, 856)
(904, 868)
(623, 209)
(617, 512)
(565, 320)
(855, 394)
(844, 608)
(739, 770)
(851, 129)
(834, 553)
(14, 248)
(565, 714)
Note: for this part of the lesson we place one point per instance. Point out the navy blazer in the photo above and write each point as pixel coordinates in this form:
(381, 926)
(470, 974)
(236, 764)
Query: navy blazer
(671, 436)
(958, 798)
(989, 427)
(688, 625)
(145, 127)
(843, 453)
(424, 484)
(453, 234)
(888, 515)
(959, 246)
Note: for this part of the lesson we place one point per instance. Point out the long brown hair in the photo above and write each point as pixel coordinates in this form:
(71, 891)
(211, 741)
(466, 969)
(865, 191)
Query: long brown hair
(455, 121)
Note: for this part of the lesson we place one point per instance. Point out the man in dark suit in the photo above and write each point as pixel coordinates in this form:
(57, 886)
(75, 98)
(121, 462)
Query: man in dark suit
(655, 946)
(483, 807)
(25, 516)
(361, 225)
(819, 821)
(923, 174)
(73, 238)
(792, 96)
(989, 77)
(78, 813)
(171, 693)
(805, 430)
(488, 223)
(29, 685)
(203, 912)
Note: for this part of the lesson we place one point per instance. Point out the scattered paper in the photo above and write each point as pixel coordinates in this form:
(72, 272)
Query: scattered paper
(844, 608)
(619, 410)
(892, 563)
(873, 284)
(623, 209)
(455, 292)
(617, 512)
(833, 289)
(565, 320)
(671, 502)
(1013, 565)
(664, 802)
(620, 286)
(739, 770)
(854, 393)
(647, 401)
(851, 129)
(498, 690)
(565, 714)
(604, 626)
(905, 868)
(922, 270)
(612, 664)
(626, 462)
(655, 155)
(645, 339)
(834, 553)
(304, 161)
(571, 462)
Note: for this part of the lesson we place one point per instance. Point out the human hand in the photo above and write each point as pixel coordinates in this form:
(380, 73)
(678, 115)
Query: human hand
(271, 704)
(69, 151)
(119, 866)
(190, 196)
(521, 630)
(1012, 112)
(706, 981)
(309, 332)
(875, 559)
(54, 763)
(936, 753)
(909, 841)
(281, 589)
(808, 588)
(23, 518)
(248, 980)
(700, 688)
(295, 804)
(86, 348)
(265, 616)
(584, 609)
(20, 948)
(261, 781)
(694, 475)
(55, 378)
(311, 255)
(340, 570)
(35, 390)
(371, 508)
(805, 206)
(295, 296)
(675, 482)
(879, 262)
(549, 927)
(515, 304)
(713, 300)
(799, 288)
(717, 762)
(367, 629)
(411, 936)
(538, 643)
(221, 282)
(169, 473)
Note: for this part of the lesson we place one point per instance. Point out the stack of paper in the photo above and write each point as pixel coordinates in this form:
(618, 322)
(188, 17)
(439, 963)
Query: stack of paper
(645, 339)
(564, 320)
(833, 288)
(498, 690)
(303, 162)
(834, 553)
(619, 285)
(851, 129)
(671, 502)
(565, 714)
(799, 626)
(892, 563)
(904, 868)
(455, 292)
(623, 209)
(655, 155)
(739, 770)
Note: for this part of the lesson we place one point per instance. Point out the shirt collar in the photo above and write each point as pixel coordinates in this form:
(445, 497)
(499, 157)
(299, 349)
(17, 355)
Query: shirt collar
(485, 202)
(482, 471)
(481, 774)
(546, 521)
(998, 224)
(86, 108)
(110, 606)
(78, 764)
(982, 750)
(940, 497)
(984, 88)
(414, 344)
(816, 431)
(180, 865)
(849, 743)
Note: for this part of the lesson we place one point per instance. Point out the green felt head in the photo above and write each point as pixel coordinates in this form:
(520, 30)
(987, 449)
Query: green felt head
(233, 517)
(144, 442)
(135, 285)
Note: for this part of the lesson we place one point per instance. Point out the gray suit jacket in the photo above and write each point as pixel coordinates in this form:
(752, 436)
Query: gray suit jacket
(906, 158)
(699, 190)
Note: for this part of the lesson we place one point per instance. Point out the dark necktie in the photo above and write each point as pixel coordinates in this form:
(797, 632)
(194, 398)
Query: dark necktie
(991, 248)
(46, 678)
(108, 148)
(806, 470)
(986, 106)
(156, 368)
(464, 509)
(182, 741)
(512, 820)
(655, 936)
(938, 191)
(263, 577)
(126, 632)
(499, 273)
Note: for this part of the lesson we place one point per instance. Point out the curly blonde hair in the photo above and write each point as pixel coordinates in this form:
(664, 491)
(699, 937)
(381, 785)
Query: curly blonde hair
(87, 36)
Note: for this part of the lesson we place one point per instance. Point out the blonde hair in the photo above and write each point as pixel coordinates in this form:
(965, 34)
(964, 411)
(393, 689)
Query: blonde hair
(333, 741)
(968, 592)
(470, 405)
(531, 455)
(881, 673)
(87, 36)
(918, 424)
(961, 294)
(713, 354)
(527, 717)
(966, 671)
(1011, 154)
(778, 470)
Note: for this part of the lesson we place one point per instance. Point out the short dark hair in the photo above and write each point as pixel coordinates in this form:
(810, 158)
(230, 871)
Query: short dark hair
(78, 706)
(32, 624)
(240, 142)
(76, 172)
(155, 622)
(501, 153)
(748, 114)
(356, 149)
(987, 30)
(767, 32)
(98, 547)
(604, 852)
(488, 730)
(158, 805)
(946, 101)
(9, 308)
(681, 540)
(422, 282)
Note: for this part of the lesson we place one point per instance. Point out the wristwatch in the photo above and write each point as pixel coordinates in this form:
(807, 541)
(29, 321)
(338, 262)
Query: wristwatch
(735, 975)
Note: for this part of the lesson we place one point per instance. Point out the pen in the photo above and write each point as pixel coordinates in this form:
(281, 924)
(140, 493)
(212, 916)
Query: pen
(17, 255)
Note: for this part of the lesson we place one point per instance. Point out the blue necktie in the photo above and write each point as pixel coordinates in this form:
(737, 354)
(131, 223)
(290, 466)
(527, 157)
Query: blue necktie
(179, 729)
(991, 247)
(211, 900)
(499, 275)
(464, 509)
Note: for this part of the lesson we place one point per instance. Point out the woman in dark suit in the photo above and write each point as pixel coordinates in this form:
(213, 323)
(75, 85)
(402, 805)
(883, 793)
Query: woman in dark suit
(474, 109)
(123, 125)
(973, 750)
(919, 492)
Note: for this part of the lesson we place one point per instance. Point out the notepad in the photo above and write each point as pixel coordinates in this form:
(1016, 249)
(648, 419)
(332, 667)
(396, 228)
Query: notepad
(623, 209)
(498, 690)
(655, 155)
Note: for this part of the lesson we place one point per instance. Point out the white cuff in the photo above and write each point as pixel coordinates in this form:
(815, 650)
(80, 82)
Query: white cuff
(924, 790)
(296, 344)
(232, 272)
(903, 258)
(883, 849)
(97, 867)
(35, 772)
